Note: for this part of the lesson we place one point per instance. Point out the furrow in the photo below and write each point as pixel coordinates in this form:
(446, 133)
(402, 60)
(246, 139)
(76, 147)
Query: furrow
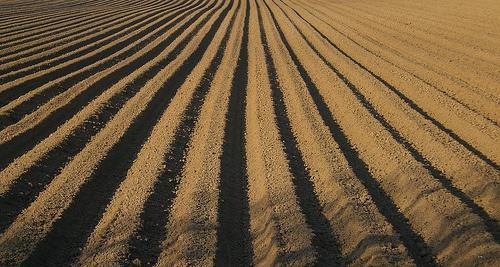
(84, 48)
(15, 111)
(53, 21)
(386, 184)
(71, 20)
(152, 163)
(89, 117)
(19, 49)
(38, 37)
(39, 53)
(328, 184)
(271, 177)
(249, 133)
(325, 243)
(471, 98)
(234, 245)
(42, 123)
(483, 191)
(43, 57)
(473, 133)
(191, 227)
(417, 40)
(272, 207)
(47, 19)
(105, 180)
(6, 23)
(79, 171)
(442, 26)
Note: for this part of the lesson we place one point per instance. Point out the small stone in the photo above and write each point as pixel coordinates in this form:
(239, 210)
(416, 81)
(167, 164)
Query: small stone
(136, 262)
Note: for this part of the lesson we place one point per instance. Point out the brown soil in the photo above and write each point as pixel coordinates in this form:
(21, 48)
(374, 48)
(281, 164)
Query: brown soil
(249, 132)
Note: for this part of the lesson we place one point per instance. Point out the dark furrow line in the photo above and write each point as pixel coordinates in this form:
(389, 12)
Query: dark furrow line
(385, 28)
(455, 99)
(234, 243)
(8, 73)
(407, 100)
(18, 5)
(120, 31)
(6, 23)
(24, 21)
(25, 141)
(416, 246)
(29, 5)
(41, 19)
(33, 8)
(49, 63)
(58, 21)
(145, 245)
(71, 36)
(17, 113)
(59, 6)
(324, 241)
(465, 105)
(491, 224)
(23, 44)
(62, 245)
(50, 8)
(35, 179)
(24, 52)
(42, 33)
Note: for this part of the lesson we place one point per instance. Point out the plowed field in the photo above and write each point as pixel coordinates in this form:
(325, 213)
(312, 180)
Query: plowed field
(249, 132)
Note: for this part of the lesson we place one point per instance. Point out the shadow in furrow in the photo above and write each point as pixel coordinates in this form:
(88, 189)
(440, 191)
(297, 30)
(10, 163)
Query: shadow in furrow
(70, 232)
(71, 28)
(65, 31)
(33, 181)
(22, 143)
(17, 113)
(46, 26)
(35, 49)
(65, 34)
(407, 100)
(26, 86)
(324, 242)
(28, 12)
(417, 248)
(27, 187)
(90, 44)
(491, 224)
(39, 22)
(234, 245)
(457, 100)
(145, 246)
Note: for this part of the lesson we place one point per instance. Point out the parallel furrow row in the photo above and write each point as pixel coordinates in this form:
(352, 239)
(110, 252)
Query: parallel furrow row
(249, 132)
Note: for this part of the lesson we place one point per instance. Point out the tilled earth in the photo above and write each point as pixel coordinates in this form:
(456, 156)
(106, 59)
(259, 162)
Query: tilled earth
(249, 132)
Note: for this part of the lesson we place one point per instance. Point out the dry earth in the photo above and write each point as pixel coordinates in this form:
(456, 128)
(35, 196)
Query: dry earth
(249, 132)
